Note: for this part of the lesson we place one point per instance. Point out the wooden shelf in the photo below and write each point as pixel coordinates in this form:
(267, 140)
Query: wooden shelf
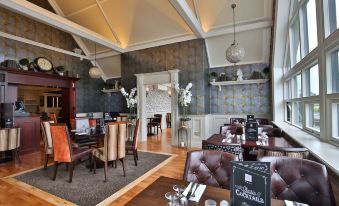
(110, 90)
(251, 81)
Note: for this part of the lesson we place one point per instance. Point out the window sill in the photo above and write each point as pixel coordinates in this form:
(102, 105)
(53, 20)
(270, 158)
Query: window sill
(323, 151)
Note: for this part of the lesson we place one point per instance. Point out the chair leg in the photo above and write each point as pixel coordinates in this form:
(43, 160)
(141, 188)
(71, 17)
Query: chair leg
(123, 166)
(160, 129)
(94, 164)
(55, 170)
(135, 157)
(136, 154)
(105, 170)
(71, 165)
(90, 162)
(46, 161)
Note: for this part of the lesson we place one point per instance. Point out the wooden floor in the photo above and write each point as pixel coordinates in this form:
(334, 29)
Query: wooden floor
(12, 194)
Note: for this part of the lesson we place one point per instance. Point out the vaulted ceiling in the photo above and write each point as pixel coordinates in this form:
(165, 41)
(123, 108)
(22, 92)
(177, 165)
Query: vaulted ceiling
(127, 25)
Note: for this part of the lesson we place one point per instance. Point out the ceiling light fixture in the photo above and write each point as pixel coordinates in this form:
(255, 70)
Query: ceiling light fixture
(94, 72)
(234, 52)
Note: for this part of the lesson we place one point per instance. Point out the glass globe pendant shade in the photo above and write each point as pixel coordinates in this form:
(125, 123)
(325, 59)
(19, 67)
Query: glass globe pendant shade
(94, 72)
(235, 53)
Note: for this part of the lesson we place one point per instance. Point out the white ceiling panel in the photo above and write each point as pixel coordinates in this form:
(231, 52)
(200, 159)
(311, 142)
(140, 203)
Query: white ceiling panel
(72, 6)
(111, 66)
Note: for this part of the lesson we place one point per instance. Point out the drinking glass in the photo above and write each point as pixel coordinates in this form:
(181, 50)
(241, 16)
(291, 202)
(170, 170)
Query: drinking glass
(173, 198)
(210, 203)
(179, 189)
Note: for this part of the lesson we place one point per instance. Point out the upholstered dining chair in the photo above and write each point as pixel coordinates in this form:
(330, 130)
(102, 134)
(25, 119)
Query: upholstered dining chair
(237, 120)
(262, 121)
(234, 149)
(63, 151)
(10, 141)
(53, 117)
(132, 146)
(264, 128)
(48, 143)
(300, 180)
(156, 122)
(274, 132)
(301, 153)
(122, 118)
(235, 129)
(168, 120)
(114, 146)
(92, 123)
(209, 167)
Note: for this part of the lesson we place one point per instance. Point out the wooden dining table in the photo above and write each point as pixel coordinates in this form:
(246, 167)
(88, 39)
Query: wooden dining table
(247, 145)
(154, 194)
(149, 128)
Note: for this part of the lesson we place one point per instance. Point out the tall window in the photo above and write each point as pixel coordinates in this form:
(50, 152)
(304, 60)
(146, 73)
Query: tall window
(312, 81)
(297, 114)
(335, 120)
(295, 42)
(312, 111)
(333, 72)
(309, 22)
(297, 86)
(331, 11)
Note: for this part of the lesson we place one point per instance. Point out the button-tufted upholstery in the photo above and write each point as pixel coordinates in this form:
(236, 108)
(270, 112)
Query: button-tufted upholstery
(300, 180)
(274, 132)
(209, 167)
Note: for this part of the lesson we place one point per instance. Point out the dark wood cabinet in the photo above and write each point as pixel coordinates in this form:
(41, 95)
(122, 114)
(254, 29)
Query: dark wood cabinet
(29, 133)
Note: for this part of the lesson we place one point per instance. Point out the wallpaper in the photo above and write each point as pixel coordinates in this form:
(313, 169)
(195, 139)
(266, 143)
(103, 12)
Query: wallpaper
(158, 101)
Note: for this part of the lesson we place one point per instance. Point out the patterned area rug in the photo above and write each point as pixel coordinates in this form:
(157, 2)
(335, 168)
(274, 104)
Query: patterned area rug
(88, 188)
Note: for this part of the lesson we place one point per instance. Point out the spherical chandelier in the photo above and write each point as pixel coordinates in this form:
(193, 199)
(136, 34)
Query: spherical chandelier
(94, 72)
(234, 52)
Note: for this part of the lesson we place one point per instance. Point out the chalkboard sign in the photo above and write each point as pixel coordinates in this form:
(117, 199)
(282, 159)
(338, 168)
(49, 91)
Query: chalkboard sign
(250, 183)
(251, 131)
(250, 117)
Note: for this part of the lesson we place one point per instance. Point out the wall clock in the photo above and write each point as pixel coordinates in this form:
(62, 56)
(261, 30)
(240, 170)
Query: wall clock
(43, 64)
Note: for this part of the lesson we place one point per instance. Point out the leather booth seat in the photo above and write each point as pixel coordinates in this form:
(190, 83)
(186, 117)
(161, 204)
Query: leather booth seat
(209, 167)
(300, 180)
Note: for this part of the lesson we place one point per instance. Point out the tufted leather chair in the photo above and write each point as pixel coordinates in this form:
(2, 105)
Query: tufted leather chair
(300, 180)
(274, 132)
(209, 167)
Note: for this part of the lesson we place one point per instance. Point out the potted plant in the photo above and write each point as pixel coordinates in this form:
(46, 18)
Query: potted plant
(60, 70)
(266, 72)
(24, 63)
(184, 99)
(132, 101)
(213, 76)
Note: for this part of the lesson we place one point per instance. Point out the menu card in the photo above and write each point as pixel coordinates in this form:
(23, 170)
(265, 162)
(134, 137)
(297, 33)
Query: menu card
(250, 183)
(251, 131)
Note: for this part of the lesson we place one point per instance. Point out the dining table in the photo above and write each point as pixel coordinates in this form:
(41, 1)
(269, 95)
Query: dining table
(247, 145)
(149, 128)
(154, 194)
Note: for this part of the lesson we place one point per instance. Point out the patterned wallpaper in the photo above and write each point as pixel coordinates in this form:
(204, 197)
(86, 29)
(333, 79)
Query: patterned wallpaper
(251, 98)
(158, 101)
(87, 89)
(189, 57)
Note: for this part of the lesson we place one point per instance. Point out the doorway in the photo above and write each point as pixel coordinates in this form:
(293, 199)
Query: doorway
(143, 80)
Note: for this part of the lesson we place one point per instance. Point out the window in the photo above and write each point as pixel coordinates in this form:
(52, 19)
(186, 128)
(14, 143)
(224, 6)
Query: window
(297, 114)
(309, 28)
(335, 120)
(312, 81)
(312, 113)
(295, 42)
(288, 111)
(331, 11)
(297, 86)
(288, 89)
(333, 72)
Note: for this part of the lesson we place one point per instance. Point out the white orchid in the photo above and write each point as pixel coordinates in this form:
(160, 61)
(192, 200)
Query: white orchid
(184, 95)
(131, 99)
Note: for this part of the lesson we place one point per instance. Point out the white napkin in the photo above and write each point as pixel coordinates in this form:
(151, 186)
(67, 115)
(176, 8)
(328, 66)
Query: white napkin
(292, 203)
(198, 192)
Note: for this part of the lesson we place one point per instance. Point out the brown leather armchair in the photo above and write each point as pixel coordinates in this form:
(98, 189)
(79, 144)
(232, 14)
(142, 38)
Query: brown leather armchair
(300, 180)
(274, 132)
(209, 167)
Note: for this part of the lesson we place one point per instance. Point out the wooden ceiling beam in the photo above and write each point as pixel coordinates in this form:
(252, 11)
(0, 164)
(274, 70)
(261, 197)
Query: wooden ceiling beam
(33, 11)
(188, 16)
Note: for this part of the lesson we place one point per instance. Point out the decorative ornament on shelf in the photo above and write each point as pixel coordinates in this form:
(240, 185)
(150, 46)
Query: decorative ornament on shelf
(184, 99)
(95, 72)
(131, 100)
(234, 52)
(239, 75)
(24, 63)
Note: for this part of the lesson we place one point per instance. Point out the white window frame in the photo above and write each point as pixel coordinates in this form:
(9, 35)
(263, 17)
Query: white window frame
(306, 112)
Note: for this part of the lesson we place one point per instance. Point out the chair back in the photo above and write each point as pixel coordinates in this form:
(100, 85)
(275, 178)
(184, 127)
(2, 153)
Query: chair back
(61, 143)
(47, 136)
(234, 149)
(53, 117)
(274, 132)
(300, 180)
(237, 120)
(92, 123)
(168, 118)
(158, 118)
(122, 118)
(9, 139)
(262, 121)
(114, 142)
(136, 134)
(264, 128)
(232, 128)
(209, 167)
(301, 153)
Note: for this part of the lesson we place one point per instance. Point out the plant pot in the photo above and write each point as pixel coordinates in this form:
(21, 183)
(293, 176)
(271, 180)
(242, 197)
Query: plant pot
(184, 123)
(213, 80)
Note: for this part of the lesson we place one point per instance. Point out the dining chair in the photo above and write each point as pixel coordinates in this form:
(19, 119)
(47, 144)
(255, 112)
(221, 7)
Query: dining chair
(156, 123)
(300, 180)
(237, 120)
(232, 148)
(262, 121)
(72, 123)
(53, 117)
(114, 146)
(10, 141)
(47, 137)
(63, 151)
(264, 128)
(274, 132)
(168, 120)
(209, 167)
(122, 118)
(132, 146)
(235, 129)
(92, 123)
(301, 153)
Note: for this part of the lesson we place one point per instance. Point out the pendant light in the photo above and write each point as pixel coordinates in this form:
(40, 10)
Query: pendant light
(94, 72)
(234, 52)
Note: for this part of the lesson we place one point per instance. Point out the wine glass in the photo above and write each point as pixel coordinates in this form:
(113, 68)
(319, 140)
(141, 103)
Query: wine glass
(179, 189)
(173, 198)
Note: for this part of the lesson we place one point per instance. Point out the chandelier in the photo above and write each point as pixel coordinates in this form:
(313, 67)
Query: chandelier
(234, 52)
(94, 72)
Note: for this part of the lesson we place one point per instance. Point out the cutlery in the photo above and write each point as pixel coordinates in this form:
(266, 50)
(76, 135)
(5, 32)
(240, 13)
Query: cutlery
(195, 189)
(190, 191)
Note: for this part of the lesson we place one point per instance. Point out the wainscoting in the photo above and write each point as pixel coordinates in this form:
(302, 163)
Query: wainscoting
(203, 126)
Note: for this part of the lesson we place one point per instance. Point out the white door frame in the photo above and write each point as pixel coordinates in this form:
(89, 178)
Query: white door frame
(170, 76)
